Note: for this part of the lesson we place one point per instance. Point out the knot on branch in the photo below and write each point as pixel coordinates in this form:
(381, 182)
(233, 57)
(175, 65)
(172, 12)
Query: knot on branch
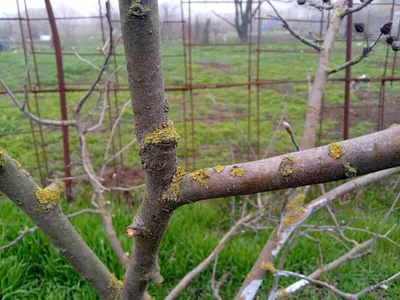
(138, 9)
(154, 275)
(137, 228)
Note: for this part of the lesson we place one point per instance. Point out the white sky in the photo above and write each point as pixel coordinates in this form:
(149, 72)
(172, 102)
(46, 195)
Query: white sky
(90, 7)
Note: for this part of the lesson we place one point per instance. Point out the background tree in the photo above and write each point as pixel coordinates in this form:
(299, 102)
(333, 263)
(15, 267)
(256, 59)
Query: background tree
(244, 14)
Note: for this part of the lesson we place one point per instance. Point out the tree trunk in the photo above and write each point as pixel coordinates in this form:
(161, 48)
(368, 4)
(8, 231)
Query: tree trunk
(157, 138)
(206, 32)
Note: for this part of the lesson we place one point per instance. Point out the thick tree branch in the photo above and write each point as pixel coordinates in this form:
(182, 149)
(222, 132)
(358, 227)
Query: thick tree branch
(157, 139)
(369, 153)
(41, 206)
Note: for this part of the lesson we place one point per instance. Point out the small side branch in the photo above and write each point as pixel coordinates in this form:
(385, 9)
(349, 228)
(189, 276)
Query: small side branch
(294, 33)
(355, 9)
(204, 264)
(103, 68)
(33, 229)
(32, 116)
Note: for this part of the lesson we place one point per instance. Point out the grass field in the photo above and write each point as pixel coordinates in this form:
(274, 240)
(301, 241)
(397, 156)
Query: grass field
(34, 270)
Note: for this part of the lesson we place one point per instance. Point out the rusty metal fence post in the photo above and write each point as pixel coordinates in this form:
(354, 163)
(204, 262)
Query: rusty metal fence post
(63, 98)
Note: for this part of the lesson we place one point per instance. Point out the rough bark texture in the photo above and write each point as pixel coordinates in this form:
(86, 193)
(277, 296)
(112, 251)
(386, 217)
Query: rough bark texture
(157, 138)
(367, 154)
(17, 185)
(321, 74)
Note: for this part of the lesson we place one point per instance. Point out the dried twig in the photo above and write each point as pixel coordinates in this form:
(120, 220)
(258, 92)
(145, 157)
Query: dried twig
(294, 33)
(203, 265)
(103, 68)
(32, 116)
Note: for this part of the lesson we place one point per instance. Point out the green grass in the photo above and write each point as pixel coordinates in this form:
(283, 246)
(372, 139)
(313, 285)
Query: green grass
(34, 270)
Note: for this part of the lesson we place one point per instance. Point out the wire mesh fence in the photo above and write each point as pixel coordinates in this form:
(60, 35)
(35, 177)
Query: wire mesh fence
(229, 82)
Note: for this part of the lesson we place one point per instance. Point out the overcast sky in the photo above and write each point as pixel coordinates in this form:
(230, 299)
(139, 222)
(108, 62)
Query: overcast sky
(90, 7)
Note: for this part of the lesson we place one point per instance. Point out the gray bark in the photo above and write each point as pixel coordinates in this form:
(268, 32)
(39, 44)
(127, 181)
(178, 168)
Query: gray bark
(157, 138)
(367, 154)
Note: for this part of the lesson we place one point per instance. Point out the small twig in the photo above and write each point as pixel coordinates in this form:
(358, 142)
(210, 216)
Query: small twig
(289, 130)
(203, 265)
(353, 62)
(283, 114)
(295, 34)
(235, 122)
(32, 116)
(103, 68)
(109, 142)
(104, 107)
(316, 39)
(85, 60)
(355, 9)
(33, 229)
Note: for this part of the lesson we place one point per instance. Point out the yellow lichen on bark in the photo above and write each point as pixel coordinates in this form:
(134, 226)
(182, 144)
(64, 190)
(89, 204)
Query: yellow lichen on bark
(237, 171)
(268, 266)
(163, 134)
(294, 210)
(50, 194)
(335, 151)
(19, 166)
(2, 158)
(115, 285)
(202, 177)
(173, 190)
(218, 169)
(286, 166)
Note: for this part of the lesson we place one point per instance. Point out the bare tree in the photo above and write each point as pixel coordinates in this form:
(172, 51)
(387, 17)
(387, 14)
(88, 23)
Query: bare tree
(169, 187)
(244, 14)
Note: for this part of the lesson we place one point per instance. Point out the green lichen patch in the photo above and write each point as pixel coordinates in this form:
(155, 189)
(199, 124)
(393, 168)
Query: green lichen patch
(163, 134)
(294, 210)
(138, 9)
(202, 177)
(237, 171)
(115, 285)
(2, 158)
(350, 171)
(50, 194)
(268, 266)
(218, 169)
(286, 166)
(173, 190)
(335, 151)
